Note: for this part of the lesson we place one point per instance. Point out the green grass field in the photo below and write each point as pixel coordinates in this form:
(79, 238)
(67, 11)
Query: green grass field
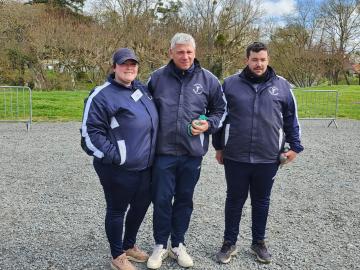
(58, 105)
(349, 101)
(68, 105)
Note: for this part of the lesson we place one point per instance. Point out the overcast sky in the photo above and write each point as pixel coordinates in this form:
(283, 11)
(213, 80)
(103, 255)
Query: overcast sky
(271, 8)
(276, 8)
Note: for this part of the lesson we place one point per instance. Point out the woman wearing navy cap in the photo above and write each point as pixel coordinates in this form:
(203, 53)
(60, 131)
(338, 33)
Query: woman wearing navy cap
(119, 129)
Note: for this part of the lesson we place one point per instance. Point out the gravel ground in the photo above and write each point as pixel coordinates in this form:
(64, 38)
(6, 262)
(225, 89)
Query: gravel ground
(52, 205)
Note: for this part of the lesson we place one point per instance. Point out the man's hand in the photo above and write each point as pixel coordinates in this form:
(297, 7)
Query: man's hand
(290, 156)
(220, 156)
(199, 126)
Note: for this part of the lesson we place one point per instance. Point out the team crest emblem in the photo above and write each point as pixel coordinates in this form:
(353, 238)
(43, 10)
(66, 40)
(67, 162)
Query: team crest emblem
(198, 89)
(273, 90)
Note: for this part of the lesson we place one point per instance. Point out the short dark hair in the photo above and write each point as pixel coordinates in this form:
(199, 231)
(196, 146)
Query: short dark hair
(255, 47)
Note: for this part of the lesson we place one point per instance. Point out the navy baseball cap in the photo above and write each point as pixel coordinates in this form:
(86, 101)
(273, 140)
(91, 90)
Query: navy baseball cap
(123, 54)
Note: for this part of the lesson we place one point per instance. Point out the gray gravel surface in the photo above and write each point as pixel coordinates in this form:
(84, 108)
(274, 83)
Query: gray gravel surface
(52, 205)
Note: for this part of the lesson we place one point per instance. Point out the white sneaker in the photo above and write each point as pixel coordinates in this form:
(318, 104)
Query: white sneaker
(158, 255)
(183, 258)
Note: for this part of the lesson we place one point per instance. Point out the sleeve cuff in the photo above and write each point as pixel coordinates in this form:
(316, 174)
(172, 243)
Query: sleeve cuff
(296, 148)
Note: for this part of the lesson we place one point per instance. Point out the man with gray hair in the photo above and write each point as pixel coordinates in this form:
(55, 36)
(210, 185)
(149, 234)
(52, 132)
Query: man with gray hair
(191, 106)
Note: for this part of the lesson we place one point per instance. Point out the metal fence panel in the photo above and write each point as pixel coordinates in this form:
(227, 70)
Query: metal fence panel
(16, 104)
(317, 104)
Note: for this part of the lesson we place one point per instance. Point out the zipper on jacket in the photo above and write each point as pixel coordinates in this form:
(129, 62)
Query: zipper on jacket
(254, 111)
(178, 122)
(251, 160)
(178, 135)
(152, 129)
(253, 126)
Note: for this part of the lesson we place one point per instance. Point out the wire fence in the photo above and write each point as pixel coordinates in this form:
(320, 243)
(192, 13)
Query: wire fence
(317, 104)
(16, 104)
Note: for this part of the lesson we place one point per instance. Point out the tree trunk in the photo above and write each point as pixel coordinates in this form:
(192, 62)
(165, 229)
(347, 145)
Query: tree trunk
(335, 77)
(72, 74)
(346, 78)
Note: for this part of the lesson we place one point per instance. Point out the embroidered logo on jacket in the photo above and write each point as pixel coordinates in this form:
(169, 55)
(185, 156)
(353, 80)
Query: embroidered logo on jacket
(273, 90)
(198, 89)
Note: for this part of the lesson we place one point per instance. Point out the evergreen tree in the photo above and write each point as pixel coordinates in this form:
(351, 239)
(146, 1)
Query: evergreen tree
(74, 5)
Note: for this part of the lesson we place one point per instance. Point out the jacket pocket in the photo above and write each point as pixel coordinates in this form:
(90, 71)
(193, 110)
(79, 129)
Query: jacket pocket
(122, 151)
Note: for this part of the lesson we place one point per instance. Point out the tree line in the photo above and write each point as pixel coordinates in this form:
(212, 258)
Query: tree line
(54, 45)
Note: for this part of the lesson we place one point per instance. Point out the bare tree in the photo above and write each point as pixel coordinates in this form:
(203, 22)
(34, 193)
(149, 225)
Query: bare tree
(293, 58)
(222, 29)
(145, 26)
(16, 43)
(296, 49)
(32, 36)
(307, 17)
(341, 22)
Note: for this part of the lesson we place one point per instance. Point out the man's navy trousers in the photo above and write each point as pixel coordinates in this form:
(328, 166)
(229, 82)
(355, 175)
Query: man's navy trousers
(242, 178)
(174, 177)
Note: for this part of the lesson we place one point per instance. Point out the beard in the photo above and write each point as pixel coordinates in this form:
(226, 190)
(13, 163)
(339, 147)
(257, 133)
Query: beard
(254, 78)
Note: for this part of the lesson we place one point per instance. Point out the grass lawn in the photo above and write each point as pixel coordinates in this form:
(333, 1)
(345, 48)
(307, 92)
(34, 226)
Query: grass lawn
(58, 105)
(68, 105)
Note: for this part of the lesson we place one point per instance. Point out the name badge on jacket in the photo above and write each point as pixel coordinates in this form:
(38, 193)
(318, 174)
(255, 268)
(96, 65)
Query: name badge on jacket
(137, 95)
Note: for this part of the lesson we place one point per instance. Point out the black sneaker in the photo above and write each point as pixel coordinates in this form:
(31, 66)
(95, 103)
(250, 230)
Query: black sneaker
(260, 250)
(227, 250)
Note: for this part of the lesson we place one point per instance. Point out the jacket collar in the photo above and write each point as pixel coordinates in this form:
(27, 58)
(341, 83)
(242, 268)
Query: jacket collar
(271, 71)
(194, 68)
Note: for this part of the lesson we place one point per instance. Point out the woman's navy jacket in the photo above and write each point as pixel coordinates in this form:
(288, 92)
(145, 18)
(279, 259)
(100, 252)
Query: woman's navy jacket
(120, 125)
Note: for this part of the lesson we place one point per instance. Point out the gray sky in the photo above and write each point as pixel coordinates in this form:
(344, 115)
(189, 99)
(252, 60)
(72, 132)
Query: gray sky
(272, 8)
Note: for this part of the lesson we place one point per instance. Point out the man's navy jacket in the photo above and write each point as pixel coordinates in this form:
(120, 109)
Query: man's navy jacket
(120, 125)
(180, 97)
(258, 120)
